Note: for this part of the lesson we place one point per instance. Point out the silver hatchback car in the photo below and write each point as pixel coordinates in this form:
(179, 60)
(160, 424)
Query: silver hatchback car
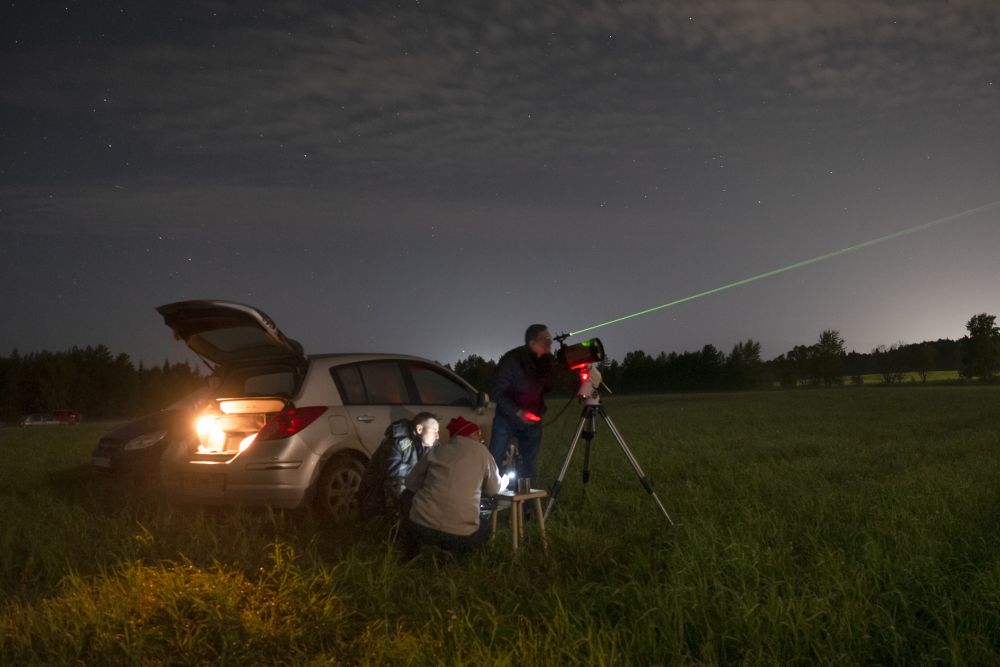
(286, 429)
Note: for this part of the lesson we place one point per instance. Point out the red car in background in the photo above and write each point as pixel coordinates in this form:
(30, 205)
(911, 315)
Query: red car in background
(67, 416)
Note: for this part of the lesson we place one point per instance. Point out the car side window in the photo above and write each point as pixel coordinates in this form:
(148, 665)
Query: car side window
(384, 383)
(436, 388)
(348, 379)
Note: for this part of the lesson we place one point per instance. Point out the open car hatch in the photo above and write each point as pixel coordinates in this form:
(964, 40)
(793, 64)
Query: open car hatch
(223, 333)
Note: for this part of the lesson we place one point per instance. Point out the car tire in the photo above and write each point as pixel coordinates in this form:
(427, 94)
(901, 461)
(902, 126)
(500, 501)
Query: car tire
(337, 488)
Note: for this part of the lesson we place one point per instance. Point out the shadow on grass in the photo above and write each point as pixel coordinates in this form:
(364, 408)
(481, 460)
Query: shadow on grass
(100, 492)
(142, 498)
(141, 495)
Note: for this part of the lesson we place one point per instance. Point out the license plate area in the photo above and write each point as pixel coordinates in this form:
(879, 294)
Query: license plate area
(203, 483)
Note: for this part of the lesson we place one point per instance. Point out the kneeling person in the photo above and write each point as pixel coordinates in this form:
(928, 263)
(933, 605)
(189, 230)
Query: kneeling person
(447, 485)
(404, 444)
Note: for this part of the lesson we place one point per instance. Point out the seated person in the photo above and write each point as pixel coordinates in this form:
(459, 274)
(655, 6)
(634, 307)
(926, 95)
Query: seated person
(447, 485)
(405, 442)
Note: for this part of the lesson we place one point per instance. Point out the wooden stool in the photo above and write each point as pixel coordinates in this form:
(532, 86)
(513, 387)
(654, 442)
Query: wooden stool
(517, 501)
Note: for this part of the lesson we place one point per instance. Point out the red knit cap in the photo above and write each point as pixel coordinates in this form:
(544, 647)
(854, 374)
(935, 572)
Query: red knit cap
(461, 426)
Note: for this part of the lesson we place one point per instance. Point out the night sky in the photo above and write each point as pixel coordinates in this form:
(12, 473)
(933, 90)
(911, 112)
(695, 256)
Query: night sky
(430, 178)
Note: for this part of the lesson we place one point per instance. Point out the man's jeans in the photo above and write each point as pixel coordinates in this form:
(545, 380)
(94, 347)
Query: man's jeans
(414, 536)
(529, 440)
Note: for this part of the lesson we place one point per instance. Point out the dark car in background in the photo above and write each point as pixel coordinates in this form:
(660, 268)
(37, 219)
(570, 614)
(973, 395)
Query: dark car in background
(136, 447)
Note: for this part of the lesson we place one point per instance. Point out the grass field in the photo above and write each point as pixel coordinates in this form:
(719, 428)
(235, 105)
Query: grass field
(846, 526)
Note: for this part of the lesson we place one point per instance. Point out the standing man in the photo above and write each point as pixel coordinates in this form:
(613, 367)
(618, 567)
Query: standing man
(524, 376)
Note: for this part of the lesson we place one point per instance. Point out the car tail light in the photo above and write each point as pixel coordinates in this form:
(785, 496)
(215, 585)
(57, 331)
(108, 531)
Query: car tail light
(288, 422)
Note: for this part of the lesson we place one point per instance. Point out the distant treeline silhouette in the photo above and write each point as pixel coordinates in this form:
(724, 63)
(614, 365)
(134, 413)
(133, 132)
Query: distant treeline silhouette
(100, 384)
(91, 380)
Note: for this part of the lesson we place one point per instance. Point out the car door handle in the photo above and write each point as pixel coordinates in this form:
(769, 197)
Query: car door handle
(368, 419)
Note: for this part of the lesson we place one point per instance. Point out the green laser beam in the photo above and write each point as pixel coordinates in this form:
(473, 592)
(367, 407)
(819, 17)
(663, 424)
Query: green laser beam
(798, 265)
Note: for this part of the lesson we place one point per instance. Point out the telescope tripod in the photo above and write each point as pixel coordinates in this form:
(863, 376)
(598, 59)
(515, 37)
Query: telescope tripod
(586, 430)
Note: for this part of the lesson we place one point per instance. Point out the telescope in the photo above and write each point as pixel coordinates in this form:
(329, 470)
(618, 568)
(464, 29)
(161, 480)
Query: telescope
(579, 355)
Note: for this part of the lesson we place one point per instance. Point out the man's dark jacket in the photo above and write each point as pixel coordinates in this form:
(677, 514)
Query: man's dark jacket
(382, 483)
(522, 380)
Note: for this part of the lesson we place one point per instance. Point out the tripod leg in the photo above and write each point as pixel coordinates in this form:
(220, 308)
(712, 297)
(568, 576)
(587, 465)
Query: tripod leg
(643, 479)
(588, 436)
(554, 490)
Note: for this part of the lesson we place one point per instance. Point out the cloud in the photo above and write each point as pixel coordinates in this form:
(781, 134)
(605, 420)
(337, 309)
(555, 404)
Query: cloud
(431, 86)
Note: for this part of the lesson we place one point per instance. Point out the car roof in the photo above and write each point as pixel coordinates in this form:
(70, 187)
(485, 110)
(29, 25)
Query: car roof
(350, 357)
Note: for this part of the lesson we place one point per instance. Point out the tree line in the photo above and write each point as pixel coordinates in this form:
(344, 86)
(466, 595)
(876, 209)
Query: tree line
(100, 384)
(91, 380)
(824, 363)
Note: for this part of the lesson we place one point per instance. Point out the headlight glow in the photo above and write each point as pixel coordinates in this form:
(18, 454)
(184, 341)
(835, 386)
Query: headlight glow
(145, 440)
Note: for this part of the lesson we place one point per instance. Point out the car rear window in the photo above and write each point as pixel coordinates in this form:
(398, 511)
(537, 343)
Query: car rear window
(263, 382)
(384, 382)
(270, 384)
(348, 378)
(236, 338)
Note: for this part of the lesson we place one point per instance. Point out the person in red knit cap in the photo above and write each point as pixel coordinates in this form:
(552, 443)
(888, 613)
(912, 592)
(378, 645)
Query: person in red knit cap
(447, 485)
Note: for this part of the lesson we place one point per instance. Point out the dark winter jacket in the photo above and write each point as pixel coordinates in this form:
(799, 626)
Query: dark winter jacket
(382, 483)
(522, 380)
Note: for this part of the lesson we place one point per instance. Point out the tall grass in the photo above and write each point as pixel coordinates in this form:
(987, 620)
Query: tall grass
(840, 526)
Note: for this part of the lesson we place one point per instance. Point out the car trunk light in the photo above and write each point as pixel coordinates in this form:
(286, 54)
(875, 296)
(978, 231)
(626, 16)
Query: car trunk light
(210, 435)
(288, 422)
(217, 434)
(247, 441)
(242, 406)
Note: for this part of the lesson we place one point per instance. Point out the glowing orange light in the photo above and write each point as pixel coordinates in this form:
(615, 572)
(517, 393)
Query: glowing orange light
(211, 435)
(247, 441)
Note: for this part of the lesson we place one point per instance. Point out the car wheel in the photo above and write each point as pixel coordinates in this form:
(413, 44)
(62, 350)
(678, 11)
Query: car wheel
(337, 488)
